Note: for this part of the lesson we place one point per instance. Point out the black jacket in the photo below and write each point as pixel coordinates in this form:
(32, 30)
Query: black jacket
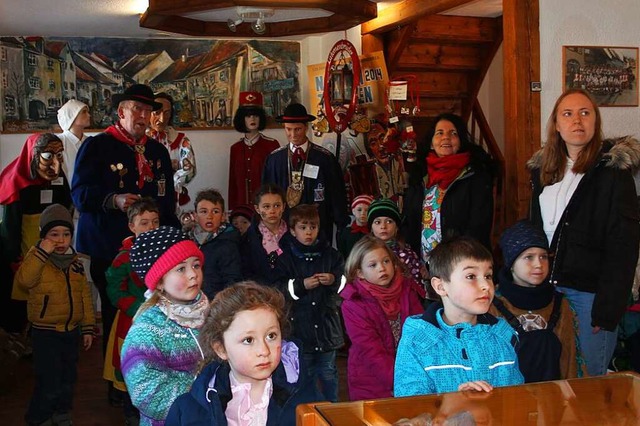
(313, 313)
(596, 242)
(467, 207)
(256, 263)
(206, 402)
(326, 190)
(222, 265)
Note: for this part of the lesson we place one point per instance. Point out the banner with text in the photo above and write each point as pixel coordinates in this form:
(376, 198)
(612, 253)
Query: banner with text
(373, 83)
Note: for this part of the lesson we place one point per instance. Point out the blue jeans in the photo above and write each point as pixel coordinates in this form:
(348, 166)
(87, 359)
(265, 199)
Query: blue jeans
(597, 349)
(321, 367)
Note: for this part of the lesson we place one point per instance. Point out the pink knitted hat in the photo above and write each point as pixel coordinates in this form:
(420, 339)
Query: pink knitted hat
(156, 252)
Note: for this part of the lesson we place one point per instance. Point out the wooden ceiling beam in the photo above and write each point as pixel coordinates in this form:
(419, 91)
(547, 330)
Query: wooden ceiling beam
(195, 27)
(407, 11)
(356, 8)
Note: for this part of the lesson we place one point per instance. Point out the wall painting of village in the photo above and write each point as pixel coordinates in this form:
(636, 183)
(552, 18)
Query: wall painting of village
(205, 77)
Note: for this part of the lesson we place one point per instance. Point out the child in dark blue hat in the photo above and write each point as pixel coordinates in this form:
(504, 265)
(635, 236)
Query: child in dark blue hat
(544, 320)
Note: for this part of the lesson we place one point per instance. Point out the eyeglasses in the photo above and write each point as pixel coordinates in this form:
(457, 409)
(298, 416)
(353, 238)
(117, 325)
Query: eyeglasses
(47, 156)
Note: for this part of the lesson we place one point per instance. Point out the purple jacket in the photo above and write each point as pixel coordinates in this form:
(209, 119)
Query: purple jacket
(373, 350)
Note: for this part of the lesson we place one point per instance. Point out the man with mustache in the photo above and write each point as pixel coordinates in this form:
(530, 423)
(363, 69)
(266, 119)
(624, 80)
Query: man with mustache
(114, 169)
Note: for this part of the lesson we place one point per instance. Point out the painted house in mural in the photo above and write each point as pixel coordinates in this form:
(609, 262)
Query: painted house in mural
(42, 73)
(62, 52)
(38, 75)
(274, 73)
(12, 85)
(211, 82)
(173, 80)
(95, 88)
(144, 68)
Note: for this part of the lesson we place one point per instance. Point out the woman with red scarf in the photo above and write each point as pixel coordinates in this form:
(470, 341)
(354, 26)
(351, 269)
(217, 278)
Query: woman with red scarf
(451, 189)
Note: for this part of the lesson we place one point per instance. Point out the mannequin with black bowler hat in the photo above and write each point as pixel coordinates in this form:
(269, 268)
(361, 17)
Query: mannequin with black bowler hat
(308, 173)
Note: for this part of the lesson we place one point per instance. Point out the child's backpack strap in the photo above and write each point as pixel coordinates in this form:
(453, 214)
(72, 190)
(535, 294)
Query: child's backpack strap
(557, 310)
(506, 313)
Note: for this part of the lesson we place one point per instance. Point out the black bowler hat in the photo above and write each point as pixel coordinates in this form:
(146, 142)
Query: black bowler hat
(139, 93)
(295, 113)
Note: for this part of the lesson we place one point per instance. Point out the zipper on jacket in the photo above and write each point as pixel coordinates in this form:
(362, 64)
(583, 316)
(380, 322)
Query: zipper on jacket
(44, 306)
(70, 295)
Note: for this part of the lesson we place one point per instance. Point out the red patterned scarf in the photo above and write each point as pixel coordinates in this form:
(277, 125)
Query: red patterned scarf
(144, 170)
(388, 297)
(444, 170)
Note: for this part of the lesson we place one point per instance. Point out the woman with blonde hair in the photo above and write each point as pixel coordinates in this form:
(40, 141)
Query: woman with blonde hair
(584, 200)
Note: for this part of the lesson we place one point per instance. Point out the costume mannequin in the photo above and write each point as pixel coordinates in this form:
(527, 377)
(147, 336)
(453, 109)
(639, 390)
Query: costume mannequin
(383, 147)
(183, 160)
(73, 118)
(308, 173)
(28, 185)
(249, 154)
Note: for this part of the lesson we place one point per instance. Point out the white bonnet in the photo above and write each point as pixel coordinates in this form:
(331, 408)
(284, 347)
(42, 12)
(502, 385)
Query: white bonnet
(68, 113)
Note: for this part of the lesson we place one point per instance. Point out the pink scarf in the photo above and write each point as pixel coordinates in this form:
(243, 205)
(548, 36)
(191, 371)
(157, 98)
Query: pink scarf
(388, 297)
(269, 239)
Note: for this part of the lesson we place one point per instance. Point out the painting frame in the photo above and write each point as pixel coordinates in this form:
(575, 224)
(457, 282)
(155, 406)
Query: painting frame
(608, 73)
(39, 74)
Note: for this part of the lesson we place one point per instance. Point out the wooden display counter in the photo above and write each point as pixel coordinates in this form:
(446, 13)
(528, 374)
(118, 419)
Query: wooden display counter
(607, 400)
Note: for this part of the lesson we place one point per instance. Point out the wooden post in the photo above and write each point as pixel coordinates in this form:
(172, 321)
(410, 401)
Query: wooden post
(522, 137)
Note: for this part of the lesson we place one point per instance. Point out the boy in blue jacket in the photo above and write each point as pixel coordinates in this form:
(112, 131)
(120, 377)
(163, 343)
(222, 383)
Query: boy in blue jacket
(456, 345)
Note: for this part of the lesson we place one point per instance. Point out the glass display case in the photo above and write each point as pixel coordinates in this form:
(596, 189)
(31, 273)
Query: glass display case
(607, 400)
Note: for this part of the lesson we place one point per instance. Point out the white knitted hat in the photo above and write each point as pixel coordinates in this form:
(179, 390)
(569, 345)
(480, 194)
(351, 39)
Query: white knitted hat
(68, 113)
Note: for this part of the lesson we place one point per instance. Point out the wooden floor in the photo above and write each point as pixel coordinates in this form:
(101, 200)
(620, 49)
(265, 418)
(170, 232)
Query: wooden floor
(91, 407)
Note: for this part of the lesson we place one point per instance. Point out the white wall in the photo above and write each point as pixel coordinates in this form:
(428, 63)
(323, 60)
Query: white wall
(587, 23)
(212, 147)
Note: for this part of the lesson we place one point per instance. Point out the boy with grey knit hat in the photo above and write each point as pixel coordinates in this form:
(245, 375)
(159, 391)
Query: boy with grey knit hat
(60, 311)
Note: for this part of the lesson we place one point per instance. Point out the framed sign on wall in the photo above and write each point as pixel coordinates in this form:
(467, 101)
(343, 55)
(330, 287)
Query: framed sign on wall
(610, 74)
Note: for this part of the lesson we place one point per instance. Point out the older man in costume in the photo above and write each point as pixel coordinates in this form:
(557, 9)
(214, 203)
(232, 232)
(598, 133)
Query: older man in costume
(114, 169)
(249, 154)
(307, 172)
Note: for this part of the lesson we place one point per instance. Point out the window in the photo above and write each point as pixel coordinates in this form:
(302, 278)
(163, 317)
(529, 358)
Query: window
(34, 82)
(54, 102)
(5, 79)
(32, 60)
(73, 86)
(3, 53)
(270, 73)
(52, 85)
(65, 85)
(50, 64)
(9, 105)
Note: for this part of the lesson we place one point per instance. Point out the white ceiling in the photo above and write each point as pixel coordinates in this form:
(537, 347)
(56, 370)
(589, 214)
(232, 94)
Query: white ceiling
(120, 17)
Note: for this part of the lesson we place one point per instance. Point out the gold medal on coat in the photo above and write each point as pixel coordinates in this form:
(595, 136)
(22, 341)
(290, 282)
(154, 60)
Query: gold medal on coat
(294, 192)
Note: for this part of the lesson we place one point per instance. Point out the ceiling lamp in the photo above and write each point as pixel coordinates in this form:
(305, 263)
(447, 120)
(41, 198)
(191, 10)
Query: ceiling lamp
(215, 18)
(233, 25)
